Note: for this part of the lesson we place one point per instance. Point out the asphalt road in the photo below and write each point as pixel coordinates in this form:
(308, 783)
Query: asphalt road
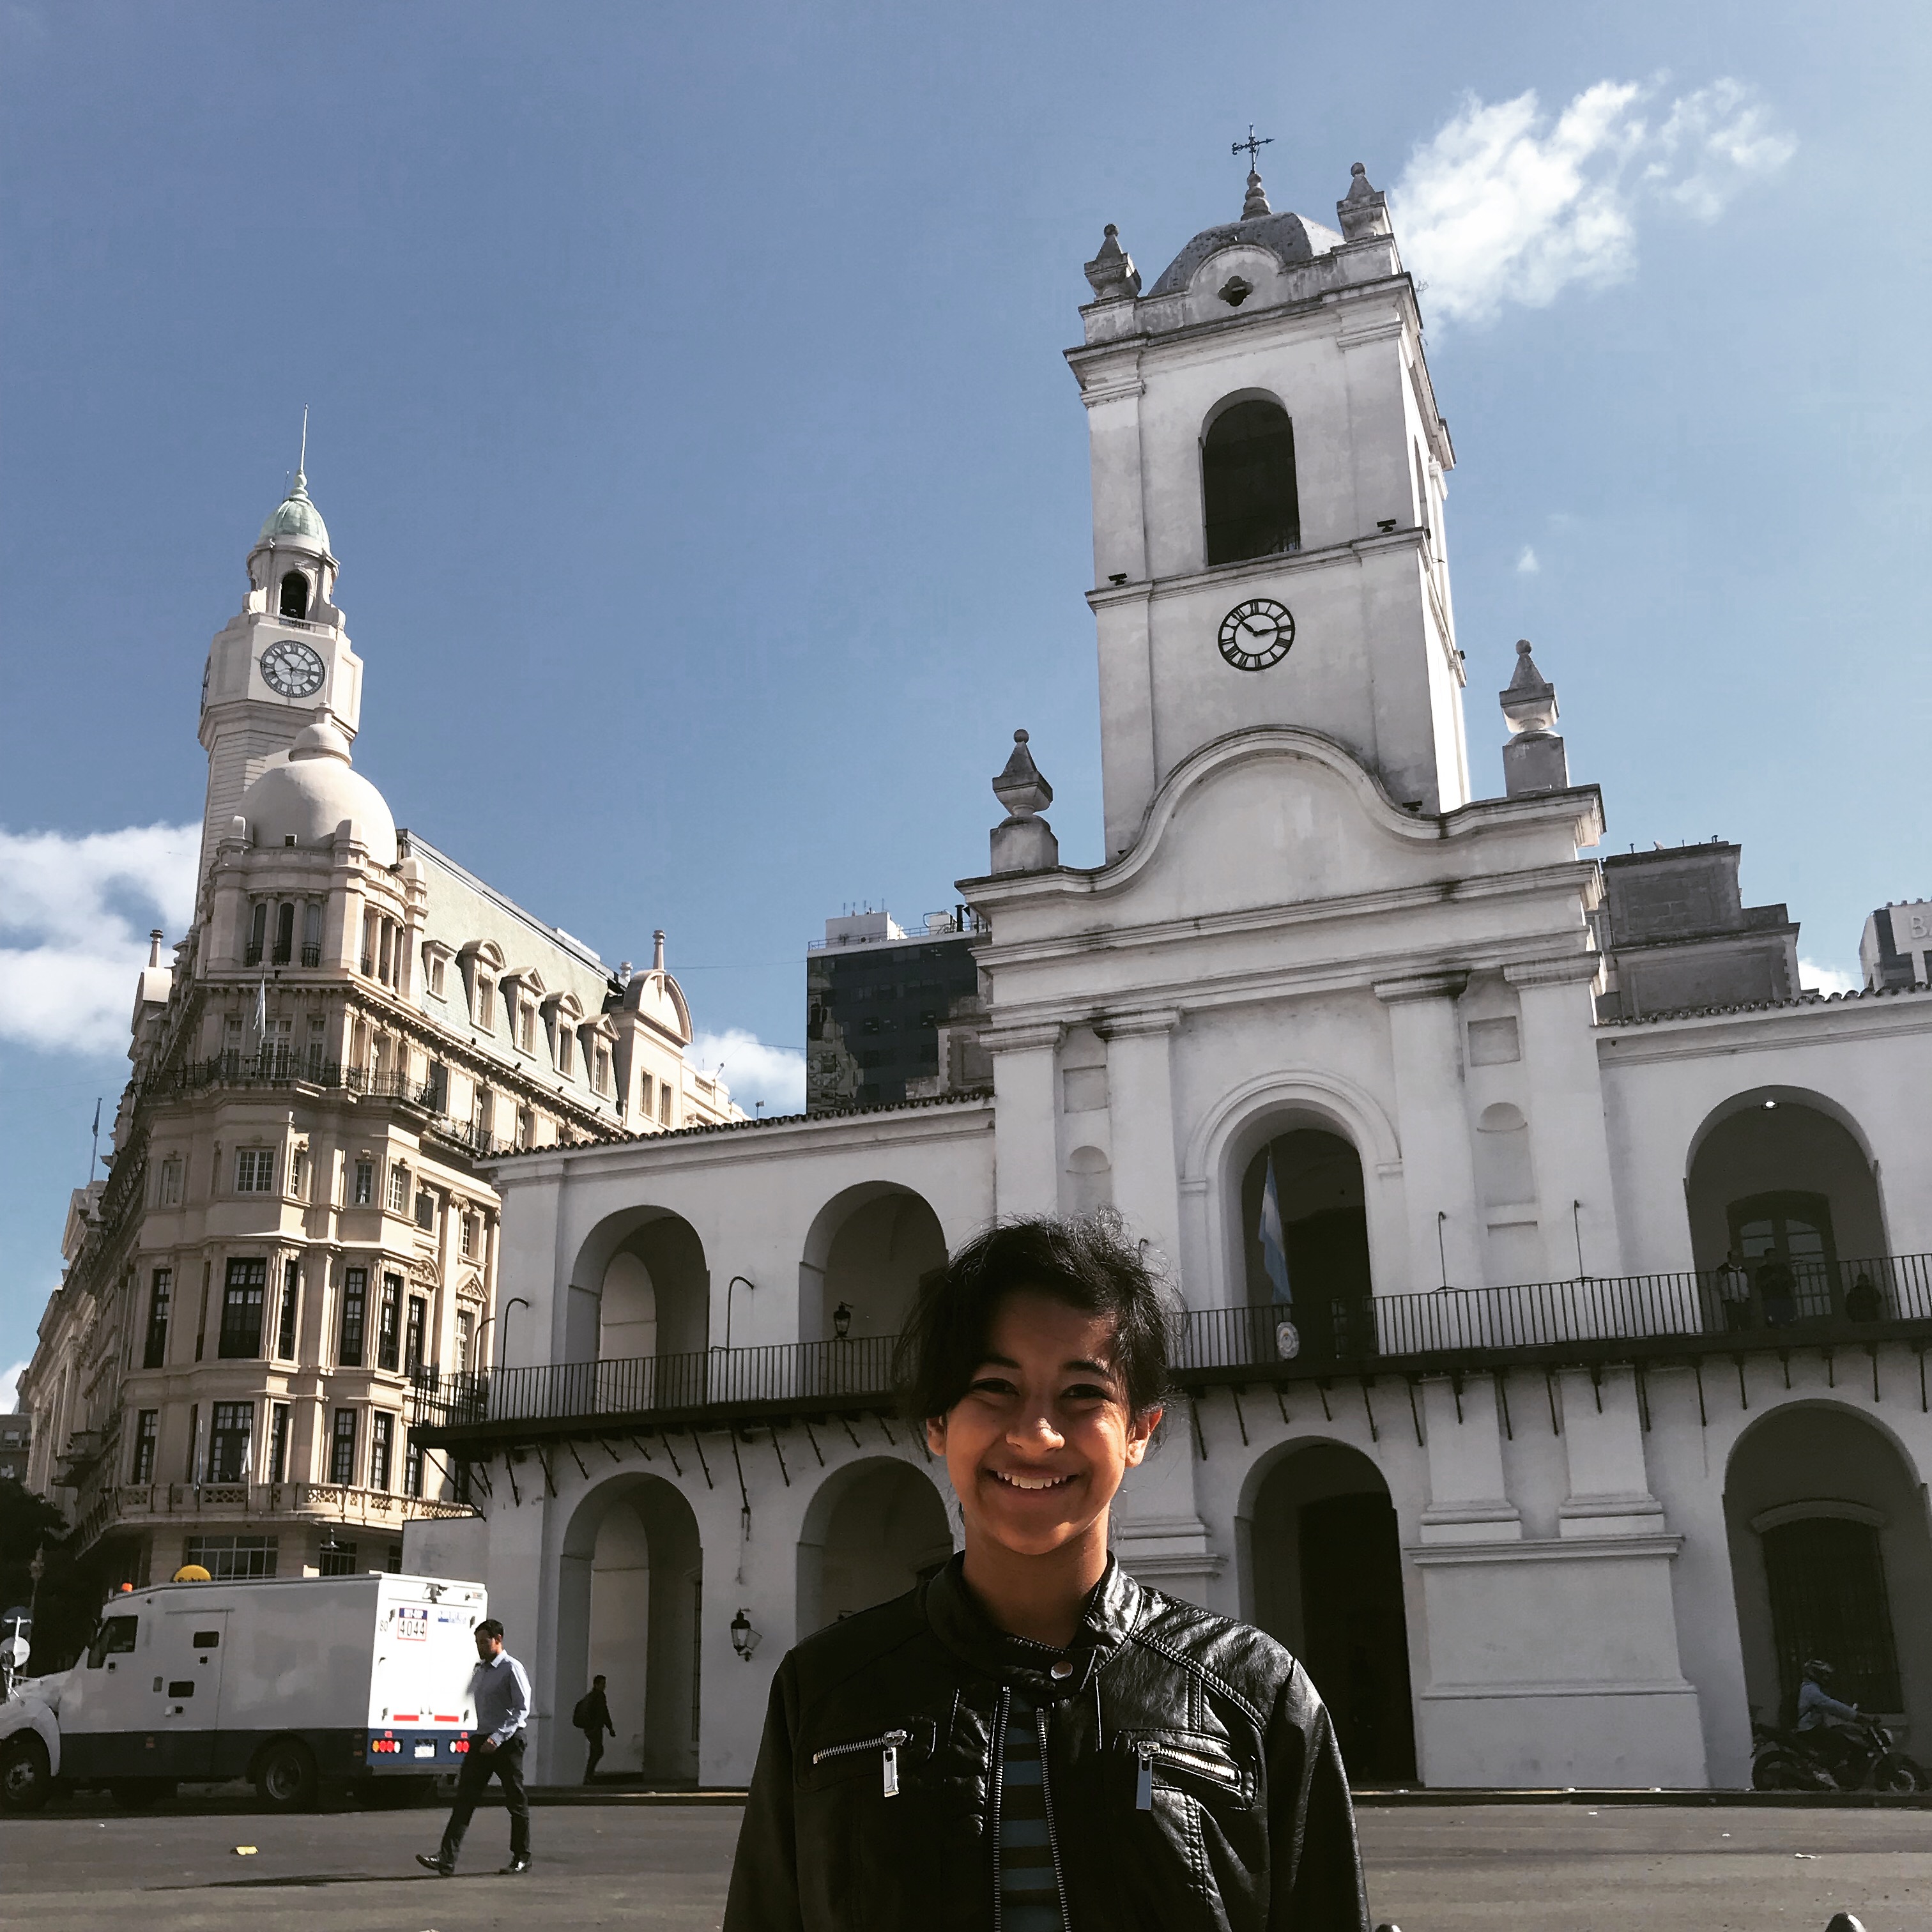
(1476, 1868)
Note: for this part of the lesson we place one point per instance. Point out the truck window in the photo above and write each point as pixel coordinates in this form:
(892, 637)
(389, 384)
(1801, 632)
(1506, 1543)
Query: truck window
(115, 1637)
(206, 1640)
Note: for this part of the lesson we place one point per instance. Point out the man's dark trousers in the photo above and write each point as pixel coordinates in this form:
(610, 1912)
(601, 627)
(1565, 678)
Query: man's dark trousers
(506, 1763)
(594, 1740)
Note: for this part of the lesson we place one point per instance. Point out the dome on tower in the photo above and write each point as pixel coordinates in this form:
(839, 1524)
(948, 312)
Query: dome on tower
(1292, 238)
(295, 520)
(305, 801)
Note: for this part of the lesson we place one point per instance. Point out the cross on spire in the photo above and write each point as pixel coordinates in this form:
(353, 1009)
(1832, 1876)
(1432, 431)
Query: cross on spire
(1252, 147)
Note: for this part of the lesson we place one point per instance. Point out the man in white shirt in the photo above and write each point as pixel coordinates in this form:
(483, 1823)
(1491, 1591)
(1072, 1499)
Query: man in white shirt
(500, 1693)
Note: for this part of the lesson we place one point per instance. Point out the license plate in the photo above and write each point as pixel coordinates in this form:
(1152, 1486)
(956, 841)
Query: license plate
(425, 1751)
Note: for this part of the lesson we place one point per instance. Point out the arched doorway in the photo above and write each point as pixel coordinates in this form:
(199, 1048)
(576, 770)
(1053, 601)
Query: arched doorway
(1830, 1557)
(1324, 1560)
(874, 1529)
(640, 1308)
(1308, 1182)
(1783, 1186)
(630, 1607)
(867, 1252)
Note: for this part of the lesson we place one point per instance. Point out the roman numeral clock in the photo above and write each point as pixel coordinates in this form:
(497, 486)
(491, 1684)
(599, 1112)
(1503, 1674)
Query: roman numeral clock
(1257, 634)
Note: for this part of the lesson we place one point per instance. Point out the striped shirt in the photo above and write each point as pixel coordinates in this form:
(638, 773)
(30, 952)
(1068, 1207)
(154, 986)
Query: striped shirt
(1029, 1896)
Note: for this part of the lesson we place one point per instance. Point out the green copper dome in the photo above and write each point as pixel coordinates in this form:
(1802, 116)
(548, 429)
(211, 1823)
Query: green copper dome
(295, 520)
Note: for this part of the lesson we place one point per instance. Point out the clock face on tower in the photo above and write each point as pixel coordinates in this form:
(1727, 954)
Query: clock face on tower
(1257, 634)
(292, 667)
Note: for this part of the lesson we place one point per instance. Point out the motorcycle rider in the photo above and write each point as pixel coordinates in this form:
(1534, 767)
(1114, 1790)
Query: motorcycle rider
(1819, 1714)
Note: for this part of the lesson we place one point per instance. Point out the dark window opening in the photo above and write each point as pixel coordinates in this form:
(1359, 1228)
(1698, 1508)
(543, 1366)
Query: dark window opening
(155, 1353)
(381, 1436)
(285, 933)
(354, 1309)
(242, 1312)
(258, 933)
(338, 1559)
(1248, 487)
(147, 1438)
(389, 1323)
(228, 1441)
(413, 1335)
(1828, 1600)
(278, 1442)
(342, 1458)
(285, 1337)
(294, 595)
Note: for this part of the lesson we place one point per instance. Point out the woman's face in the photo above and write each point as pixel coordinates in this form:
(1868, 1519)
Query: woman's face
(1039, 1443)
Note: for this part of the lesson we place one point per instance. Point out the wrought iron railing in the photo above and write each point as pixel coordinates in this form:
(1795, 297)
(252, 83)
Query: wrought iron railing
(1774, 1307)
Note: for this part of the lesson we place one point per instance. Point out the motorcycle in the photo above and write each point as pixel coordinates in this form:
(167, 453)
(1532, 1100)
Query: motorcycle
(1784, 1760)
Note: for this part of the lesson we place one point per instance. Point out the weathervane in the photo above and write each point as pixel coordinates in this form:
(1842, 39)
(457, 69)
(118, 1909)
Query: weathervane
(1252, 147)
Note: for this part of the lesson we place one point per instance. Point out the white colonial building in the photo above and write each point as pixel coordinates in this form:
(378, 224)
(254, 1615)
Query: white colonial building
(1597, 1399)
(295, 1231)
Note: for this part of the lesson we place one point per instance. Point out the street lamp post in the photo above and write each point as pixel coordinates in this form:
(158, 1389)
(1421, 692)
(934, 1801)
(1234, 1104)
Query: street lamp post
(728, 1286)
(503, 1333)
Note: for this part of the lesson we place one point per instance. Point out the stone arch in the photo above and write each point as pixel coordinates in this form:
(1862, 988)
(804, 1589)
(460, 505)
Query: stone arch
(1250, 502)
(868, 1248)
(630, 1589)
(1785, 1176)
(1831, 1555)
(1233, 1131)
(873, 1529)
(670, 1254)
(1321, 1569)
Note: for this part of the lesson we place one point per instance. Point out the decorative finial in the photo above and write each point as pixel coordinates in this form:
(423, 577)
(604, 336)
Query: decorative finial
(1257, 202)
(1534, 759)
(154, 946)
(301, 461)
(1024, 842)
(1111, 273)
(1364, 210)
(657, 950)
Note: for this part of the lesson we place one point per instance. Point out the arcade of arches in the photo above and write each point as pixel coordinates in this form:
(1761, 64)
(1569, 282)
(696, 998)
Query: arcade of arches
(868, 1253)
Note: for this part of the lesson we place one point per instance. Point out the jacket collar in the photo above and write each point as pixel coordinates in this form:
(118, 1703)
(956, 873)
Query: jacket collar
(1113, 1608)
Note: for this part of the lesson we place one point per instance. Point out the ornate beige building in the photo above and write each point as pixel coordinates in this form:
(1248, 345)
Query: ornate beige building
(293, 1227)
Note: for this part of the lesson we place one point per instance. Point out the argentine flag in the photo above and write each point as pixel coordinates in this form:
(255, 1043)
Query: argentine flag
(1274, 1254)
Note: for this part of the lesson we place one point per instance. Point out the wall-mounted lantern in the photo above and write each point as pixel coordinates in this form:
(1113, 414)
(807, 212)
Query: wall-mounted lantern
(841, 1320)
(744, 1639)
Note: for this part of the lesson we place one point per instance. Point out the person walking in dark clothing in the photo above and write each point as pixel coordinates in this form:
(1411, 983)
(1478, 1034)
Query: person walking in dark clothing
(592, 1718)
(499, 1693)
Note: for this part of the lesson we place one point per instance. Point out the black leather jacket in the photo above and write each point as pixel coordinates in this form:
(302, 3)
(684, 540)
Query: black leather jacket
(1192, 1777)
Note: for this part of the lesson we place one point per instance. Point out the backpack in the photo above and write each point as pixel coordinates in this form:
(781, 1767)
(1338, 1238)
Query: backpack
(580, 1716)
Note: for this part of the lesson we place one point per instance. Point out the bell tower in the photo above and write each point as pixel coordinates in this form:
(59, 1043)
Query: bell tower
(1268, 470)
(284, 655)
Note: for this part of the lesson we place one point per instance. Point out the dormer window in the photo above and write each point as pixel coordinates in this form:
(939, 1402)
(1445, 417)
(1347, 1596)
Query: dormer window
(295, 595)
(486, 1005)
(563, 1056)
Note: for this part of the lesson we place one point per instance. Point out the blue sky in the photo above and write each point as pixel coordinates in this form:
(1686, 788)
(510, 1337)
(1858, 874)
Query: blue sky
(688, 413)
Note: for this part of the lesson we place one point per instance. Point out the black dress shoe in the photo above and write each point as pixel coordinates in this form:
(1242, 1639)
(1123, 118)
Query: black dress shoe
(435, 1865)
(513, 1867)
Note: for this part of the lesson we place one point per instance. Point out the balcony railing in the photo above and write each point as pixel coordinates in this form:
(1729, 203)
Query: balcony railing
(1808, 1302)
(1626, 1317)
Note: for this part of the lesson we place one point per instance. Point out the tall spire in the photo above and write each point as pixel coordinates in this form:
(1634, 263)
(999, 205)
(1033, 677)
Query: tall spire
(301, 461)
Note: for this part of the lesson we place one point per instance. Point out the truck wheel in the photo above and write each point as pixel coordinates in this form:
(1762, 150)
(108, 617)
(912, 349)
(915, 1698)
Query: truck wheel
(25, 1783)
(285, 1776)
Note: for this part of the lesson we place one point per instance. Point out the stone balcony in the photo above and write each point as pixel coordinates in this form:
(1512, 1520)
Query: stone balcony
(140, 1505)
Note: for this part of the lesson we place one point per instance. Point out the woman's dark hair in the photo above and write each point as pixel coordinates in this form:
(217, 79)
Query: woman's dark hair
(1087, 1262)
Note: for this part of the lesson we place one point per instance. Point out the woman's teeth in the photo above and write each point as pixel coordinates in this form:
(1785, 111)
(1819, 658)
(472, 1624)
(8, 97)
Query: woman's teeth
(1031, 1482)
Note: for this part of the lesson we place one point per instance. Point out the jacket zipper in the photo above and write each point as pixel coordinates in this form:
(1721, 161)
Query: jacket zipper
(1052, 1841)
(886, 1745)
(998, 1786)
(1146, 1753)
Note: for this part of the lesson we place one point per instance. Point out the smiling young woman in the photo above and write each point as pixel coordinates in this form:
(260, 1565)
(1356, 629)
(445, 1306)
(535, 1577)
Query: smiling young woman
(1031, 1740)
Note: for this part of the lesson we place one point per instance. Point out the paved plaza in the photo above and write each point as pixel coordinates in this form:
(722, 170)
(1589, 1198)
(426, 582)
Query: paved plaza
(1450, 1868)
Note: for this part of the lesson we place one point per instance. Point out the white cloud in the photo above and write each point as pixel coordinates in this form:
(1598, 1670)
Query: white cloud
(1817, 979)
(9, 1383)
(753, 1071)
(74, 916)
(1526, 564)
(1503, 205)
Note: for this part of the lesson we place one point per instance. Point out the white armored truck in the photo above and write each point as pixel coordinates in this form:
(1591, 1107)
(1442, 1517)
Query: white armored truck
(294, 1682)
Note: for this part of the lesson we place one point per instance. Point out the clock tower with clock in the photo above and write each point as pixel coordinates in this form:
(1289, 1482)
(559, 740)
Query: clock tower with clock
(1268, 468)
(283, 656)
